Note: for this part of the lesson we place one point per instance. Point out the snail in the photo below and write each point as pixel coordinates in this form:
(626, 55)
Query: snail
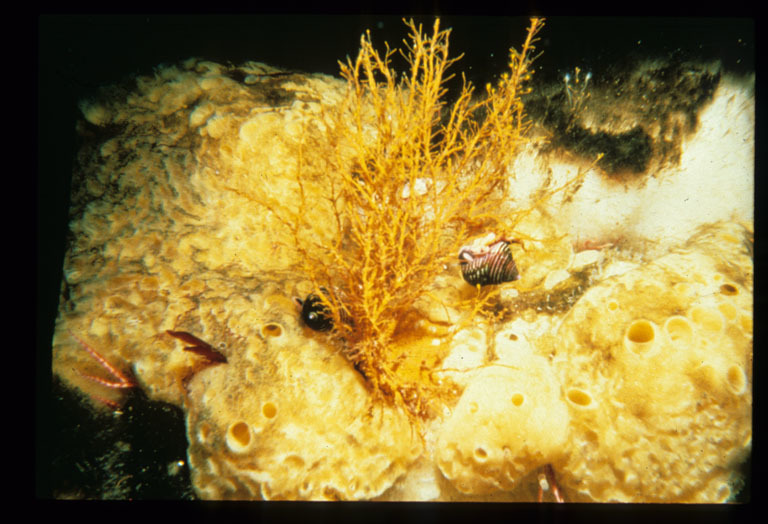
(488, 261)
(317, 315)
(314, 313)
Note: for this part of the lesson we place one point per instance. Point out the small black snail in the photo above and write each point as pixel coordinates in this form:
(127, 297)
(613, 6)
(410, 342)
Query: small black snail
(314, 313)
(488, 261)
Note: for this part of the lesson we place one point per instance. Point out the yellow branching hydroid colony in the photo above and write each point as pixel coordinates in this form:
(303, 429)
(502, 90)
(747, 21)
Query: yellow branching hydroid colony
(409, 177)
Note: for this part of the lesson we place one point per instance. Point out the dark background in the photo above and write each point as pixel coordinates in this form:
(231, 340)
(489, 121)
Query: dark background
(78, 54)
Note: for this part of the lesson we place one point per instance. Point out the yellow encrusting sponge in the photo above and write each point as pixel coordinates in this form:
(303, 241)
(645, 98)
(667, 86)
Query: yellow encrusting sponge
(509, 422)
(658, 384)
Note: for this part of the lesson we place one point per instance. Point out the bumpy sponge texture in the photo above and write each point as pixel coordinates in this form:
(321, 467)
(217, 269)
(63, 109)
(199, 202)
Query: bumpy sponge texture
(656, 364)
(288, 418)
(508, 422)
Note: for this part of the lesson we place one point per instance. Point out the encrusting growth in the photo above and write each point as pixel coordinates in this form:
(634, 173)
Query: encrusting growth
(407, 178)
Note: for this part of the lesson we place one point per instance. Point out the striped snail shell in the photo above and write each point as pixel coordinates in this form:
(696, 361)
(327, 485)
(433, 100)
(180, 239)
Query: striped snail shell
(486, 263)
